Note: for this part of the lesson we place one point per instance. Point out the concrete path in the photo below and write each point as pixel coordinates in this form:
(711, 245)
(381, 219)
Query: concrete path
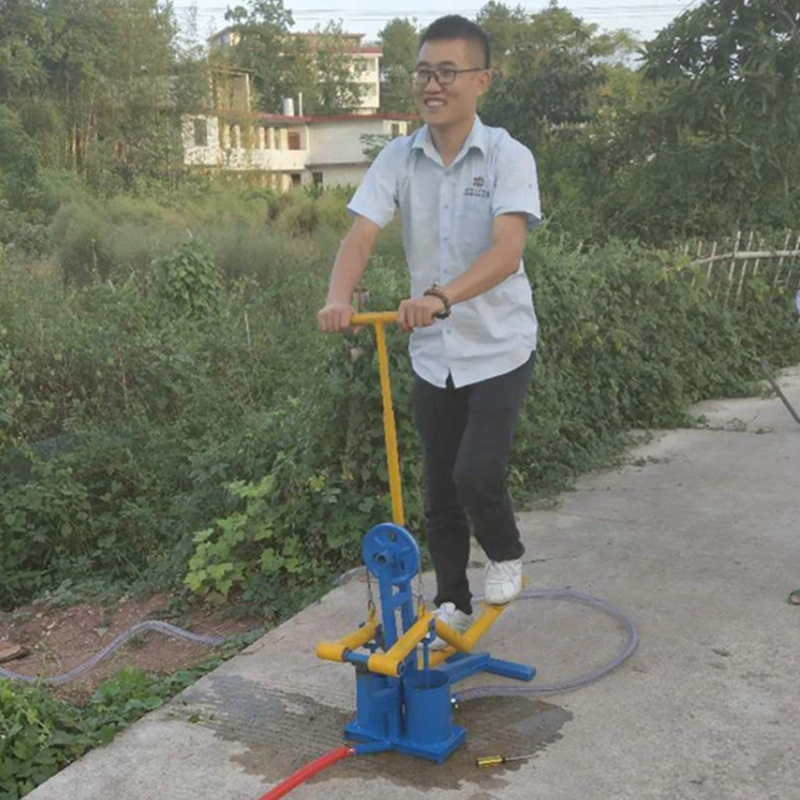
(698, 538)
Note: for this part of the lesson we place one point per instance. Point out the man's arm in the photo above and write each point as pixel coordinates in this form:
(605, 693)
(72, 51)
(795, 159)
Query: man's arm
(350, 265)
(501, 260)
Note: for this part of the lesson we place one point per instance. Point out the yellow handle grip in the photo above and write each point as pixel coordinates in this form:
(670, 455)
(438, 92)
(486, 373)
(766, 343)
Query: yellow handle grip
(373, 317)
(383, 664)
(334, 651)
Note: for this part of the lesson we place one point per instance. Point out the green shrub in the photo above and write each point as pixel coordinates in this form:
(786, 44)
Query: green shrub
(188, 279)
(84, 243)
(40, 735)
(324, 484)
(198, 395)
(627, 341)
(44, 519)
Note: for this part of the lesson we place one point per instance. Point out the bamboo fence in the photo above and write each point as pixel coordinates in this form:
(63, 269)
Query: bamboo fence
(733, 268)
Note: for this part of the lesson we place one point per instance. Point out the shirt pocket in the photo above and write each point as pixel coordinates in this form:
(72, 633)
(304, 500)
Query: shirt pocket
(475, 224)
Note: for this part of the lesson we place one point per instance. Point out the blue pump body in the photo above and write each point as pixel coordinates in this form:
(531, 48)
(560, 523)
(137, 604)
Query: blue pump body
(413, 713)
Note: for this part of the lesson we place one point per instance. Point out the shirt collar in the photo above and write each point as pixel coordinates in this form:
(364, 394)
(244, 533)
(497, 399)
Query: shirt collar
(476, 139)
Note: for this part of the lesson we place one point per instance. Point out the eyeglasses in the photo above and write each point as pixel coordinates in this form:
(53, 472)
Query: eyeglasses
(444, 75)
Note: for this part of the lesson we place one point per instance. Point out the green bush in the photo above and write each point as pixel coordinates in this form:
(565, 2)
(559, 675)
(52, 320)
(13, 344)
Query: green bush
(44, 519)
(196, 395)
(627, 341)
(188, 279)
(40, 735)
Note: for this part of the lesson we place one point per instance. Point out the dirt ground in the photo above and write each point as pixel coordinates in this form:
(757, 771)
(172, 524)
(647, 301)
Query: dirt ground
(60, 638)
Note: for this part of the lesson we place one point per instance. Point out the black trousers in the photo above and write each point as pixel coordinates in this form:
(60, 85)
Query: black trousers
(466, 437)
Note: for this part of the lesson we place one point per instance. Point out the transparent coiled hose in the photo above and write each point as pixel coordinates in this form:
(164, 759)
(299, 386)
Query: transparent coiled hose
(148, 625)
(569, 684)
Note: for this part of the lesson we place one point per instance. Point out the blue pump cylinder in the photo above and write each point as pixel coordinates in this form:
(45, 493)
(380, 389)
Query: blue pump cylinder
(428, 711)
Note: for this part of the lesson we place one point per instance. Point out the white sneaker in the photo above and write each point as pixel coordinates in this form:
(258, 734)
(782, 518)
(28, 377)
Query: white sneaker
(502, 581)
(454, 618)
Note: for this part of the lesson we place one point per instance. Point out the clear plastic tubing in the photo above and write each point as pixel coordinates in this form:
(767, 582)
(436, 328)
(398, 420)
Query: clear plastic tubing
(569, 684)
(148, 625)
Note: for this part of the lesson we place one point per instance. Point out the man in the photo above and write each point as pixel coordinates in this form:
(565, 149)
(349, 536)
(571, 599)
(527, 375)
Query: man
(467, 195)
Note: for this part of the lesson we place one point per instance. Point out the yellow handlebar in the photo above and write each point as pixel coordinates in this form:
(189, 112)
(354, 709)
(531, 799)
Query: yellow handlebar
(374, 317)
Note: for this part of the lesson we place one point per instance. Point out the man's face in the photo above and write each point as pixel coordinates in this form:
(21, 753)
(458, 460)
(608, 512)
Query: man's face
(444, 104)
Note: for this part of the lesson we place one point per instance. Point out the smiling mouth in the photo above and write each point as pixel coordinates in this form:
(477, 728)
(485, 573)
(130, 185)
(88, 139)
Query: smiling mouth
(434, 102)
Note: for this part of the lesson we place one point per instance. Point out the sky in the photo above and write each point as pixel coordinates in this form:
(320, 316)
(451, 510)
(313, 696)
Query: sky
(644, 17)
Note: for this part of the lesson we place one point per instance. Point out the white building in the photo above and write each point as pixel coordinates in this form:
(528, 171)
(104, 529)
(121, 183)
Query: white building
(287, 150)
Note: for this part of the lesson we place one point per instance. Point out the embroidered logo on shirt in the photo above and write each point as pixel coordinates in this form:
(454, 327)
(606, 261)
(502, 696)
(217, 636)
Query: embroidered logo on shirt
(476, 190)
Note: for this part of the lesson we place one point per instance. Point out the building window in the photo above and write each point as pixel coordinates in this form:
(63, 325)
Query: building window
(317, 178)
(395, 129)
(294, 140)
(297, 179)
(267, 138)
(200, 133)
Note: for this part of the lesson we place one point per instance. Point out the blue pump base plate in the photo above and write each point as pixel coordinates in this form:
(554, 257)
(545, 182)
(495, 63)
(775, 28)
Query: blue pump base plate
(438, 752)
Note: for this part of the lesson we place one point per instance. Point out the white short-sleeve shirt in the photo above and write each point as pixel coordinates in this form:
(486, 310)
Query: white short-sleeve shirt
(447, 215)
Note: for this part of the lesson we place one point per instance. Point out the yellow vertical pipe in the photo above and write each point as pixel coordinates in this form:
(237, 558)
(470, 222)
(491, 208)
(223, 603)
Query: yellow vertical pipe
(389, 427)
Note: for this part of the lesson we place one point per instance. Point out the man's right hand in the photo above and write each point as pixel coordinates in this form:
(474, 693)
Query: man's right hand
(335, 317)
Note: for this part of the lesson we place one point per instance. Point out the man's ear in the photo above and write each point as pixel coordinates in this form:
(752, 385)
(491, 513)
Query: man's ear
(484, 82)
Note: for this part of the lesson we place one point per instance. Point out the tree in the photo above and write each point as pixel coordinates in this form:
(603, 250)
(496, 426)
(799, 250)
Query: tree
(549, 71)
(19, 161)
(398, 40)
(98, 83)
(266, 49)
(506, 28)
(23, 37)
(337, 87)
(285, 64)
(729, 71)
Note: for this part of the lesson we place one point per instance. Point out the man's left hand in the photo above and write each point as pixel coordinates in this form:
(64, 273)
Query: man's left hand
(418, 312)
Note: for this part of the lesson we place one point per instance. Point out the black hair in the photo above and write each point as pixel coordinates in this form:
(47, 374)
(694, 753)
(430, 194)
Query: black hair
(454, 26)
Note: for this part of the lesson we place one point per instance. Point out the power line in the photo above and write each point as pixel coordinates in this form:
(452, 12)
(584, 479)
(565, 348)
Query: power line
(639, 12)
(605, 9)
(673, 8)
(417, 15)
